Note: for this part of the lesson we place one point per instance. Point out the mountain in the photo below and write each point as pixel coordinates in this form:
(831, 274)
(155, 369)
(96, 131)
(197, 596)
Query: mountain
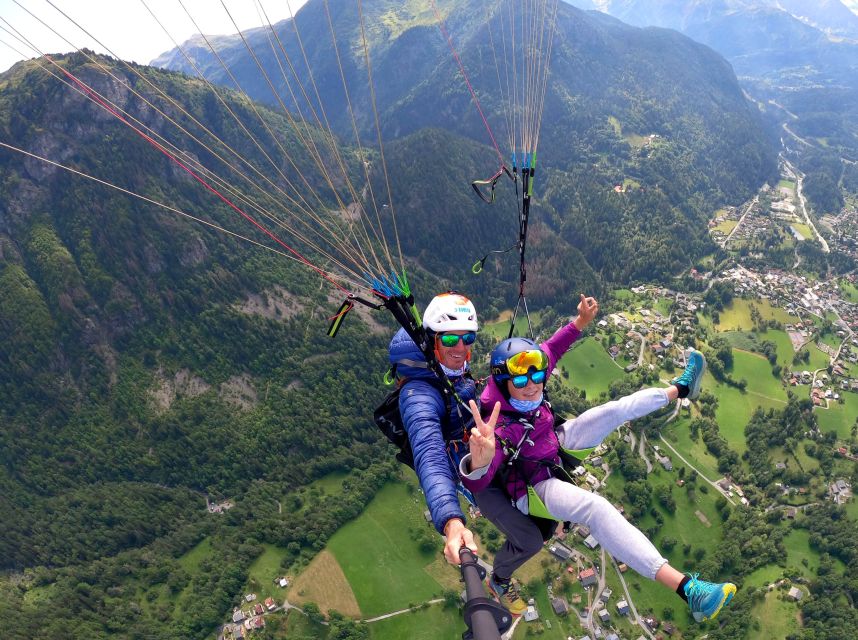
(611, 87)
(798, 59)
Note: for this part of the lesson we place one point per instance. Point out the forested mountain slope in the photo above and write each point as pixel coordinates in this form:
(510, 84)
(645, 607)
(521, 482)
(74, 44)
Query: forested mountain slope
(623, 103)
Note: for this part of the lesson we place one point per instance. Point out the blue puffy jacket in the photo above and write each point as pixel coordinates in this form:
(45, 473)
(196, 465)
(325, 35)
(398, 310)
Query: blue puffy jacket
(436, 443)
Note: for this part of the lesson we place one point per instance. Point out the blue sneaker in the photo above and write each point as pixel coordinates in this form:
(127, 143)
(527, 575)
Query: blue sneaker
(692, 377)
(706, 599)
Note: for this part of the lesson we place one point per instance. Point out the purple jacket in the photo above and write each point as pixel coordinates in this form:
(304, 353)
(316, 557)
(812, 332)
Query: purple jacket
(545, 443)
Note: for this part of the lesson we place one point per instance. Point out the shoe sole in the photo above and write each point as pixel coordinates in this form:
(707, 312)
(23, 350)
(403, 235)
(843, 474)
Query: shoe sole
(498, 599)
(694, 392)
(726, 595)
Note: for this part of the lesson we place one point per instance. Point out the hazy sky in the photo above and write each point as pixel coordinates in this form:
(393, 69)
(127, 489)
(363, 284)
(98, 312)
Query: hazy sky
(125, 26)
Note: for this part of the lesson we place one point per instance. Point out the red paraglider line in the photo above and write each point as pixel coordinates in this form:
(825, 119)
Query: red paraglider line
(193, 174)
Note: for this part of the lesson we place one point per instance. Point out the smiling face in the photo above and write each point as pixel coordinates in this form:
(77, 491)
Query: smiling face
(531, 392)
(453, 357)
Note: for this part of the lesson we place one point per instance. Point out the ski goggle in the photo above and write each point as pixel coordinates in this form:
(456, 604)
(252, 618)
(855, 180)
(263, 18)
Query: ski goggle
(452, 339)
(521, 363)
(538, 377)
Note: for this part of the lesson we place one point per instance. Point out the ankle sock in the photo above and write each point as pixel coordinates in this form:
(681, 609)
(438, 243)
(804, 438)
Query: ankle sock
(680, 590)
(683, 390)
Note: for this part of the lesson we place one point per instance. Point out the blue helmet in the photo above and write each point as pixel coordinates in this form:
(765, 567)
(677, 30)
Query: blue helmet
(516, 357)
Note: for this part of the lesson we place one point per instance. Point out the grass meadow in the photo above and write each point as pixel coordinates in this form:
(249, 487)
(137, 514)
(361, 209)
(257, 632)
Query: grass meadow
(737, 315)
(384, 566)
(679, 435)
(424, 624)
(590, 368)
(500, 328)
(839, 417)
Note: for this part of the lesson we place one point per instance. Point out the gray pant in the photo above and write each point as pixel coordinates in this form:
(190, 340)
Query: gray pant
(524, 534)
(573, 504)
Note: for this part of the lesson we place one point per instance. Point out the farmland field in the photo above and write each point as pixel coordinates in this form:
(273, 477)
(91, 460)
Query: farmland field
(839, 417)
(384, 565)
(737, 315)
(590, 368)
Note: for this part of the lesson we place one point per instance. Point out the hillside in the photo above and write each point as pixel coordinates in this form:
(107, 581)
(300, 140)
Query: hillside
(798, 60)
(646, 108)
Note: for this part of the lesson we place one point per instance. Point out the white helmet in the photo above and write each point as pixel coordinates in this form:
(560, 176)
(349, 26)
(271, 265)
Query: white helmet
(450, 312)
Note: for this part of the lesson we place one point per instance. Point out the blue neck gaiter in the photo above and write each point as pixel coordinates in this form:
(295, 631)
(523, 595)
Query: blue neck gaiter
(525, 406)
(454, 373)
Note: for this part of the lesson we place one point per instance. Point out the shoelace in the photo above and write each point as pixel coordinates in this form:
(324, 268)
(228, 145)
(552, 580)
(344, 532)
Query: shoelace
(507, 591)
(696, 590)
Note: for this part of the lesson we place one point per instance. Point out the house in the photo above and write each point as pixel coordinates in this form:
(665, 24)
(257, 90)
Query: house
(623, 567)
(795, 594)
(237, 615)
(250, 597)
(604, 616)
(623, 607)
(283, 582)
(666, 463)
(651, 622)
(590, 542)
(531, 614)
(612, 636)
(791, 513)
(560, 606)
(668, 628)
(605, 595)
(259, 610)
(780, 466)
(596, 461)
(561, 552)
(588, 577)
(582, 530)
(270, 604)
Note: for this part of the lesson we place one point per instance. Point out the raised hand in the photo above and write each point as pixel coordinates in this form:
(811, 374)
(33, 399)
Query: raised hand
(482, 440)
(588, 307)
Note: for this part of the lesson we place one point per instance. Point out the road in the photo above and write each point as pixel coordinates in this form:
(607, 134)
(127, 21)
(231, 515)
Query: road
(642, 452)
(799, 179)
(699, 473)
(633, 610)
(742, 219)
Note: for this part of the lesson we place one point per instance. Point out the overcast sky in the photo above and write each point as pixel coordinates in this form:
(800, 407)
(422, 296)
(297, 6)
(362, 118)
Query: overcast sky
(125, 26)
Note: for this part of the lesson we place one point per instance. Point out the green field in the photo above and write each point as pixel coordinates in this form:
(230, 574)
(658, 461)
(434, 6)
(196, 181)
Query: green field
(561, 628)
(818, 360)
(778, 617)
(848, 290)
(331, 484)
(499, 328)
(750, 341)
(789, 184)
(677, 432)
(736, 407)
(263, 571)
(839, 417)
(726, 226)
(424, 624)
(623, 294)
(384, 566)
(590, 368)
(803, 229)
(737, 315)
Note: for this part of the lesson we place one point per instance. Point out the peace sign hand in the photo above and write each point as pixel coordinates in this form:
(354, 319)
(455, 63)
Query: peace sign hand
(482, 440)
